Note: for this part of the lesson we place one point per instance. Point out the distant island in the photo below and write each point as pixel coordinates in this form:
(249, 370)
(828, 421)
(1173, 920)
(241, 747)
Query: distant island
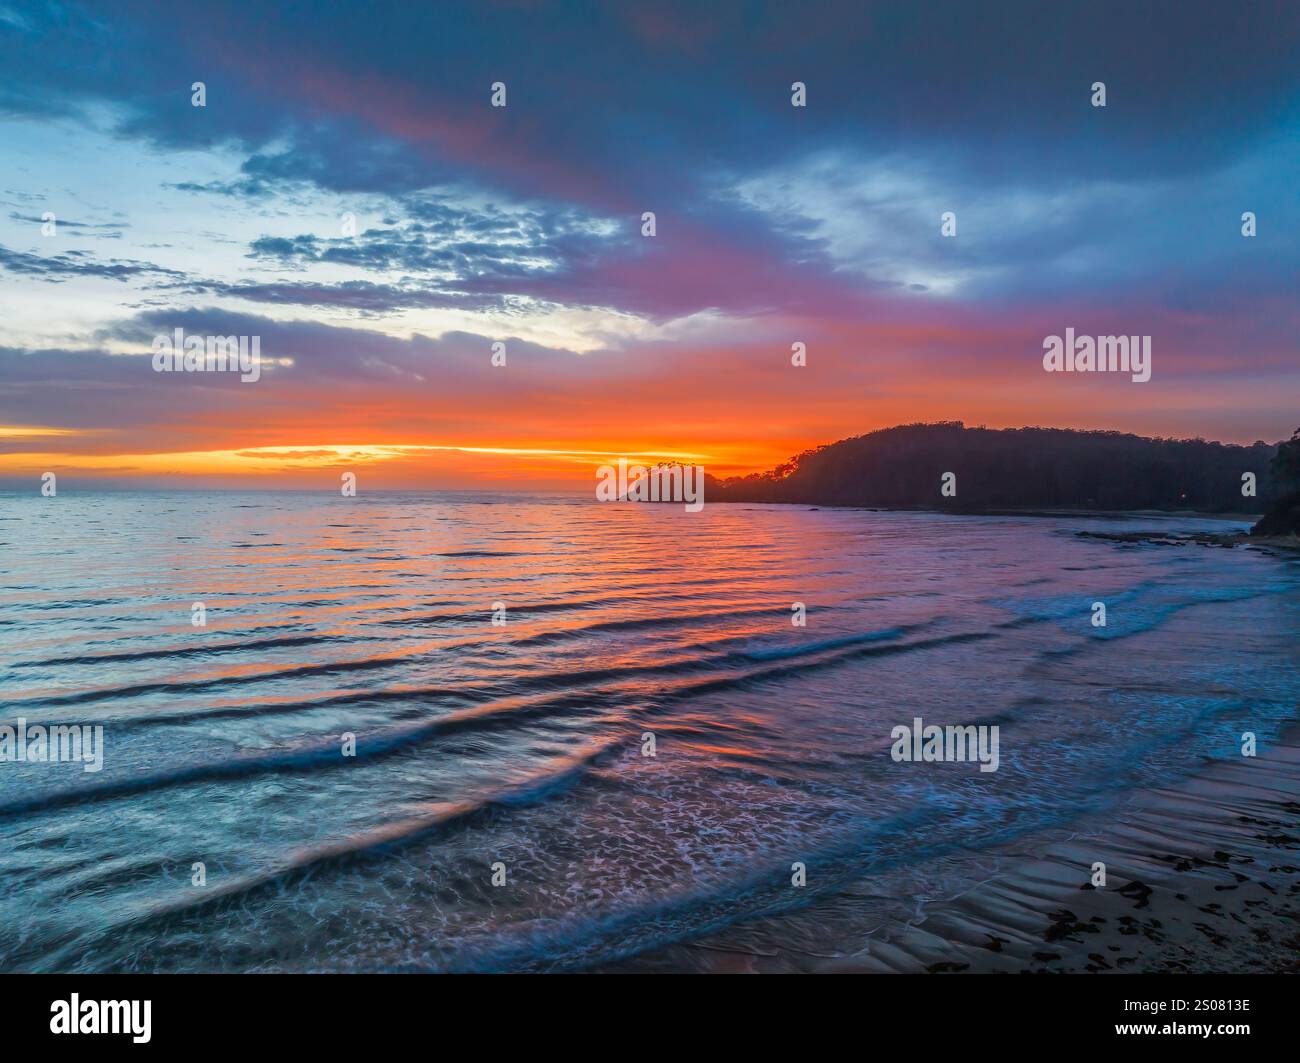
(908, 467)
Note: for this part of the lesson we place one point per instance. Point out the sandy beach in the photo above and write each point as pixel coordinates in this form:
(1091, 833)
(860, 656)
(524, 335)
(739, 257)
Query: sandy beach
(1202, 878)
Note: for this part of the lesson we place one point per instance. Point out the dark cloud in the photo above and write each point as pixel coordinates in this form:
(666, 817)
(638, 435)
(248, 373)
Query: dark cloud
(69, 264)
(618, 109)
(126, 404)
(611, 105)
(320, 350)
(364, 297)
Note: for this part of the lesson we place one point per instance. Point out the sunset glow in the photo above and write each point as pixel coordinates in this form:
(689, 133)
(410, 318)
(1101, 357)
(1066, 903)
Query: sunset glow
(630, 487)
(353, 200)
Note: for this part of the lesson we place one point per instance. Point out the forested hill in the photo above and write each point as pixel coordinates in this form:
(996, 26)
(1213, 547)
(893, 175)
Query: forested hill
(905, 467)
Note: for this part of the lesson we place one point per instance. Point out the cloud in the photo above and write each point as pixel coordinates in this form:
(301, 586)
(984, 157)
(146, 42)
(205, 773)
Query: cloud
(105, 230)
(70, 264)
(774, 223)
(364, 297)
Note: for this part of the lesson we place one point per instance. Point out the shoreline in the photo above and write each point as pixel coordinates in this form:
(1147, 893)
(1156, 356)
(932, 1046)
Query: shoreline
(1200, 878)
(1240, 517)
(1281, 545)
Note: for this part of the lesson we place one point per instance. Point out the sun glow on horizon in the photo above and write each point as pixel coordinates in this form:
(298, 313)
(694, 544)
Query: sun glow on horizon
(264, 461)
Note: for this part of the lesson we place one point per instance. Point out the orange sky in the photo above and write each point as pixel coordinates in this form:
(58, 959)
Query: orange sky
(352, 198)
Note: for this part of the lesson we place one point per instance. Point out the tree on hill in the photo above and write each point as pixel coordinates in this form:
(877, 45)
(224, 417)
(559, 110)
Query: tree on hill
(1284, 517)
(1013, 468)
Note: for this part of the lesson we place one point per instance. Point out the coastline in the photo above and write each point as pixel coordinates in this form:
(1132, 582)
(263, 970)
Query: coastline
(1203, 874)
(1201, 878)
(955, 510)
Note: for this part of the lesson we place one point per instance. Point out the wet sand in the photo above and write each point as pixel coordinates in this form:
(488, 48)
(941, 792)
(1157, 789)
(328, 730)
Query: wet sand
(1202, 878)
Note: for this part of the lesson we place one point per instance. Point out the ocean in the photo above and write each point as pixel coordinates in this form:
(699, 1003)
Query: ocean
(414, 731)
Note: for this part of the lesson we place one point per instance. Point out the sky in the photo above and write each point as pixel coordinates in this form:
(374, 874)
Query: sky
(774, 224)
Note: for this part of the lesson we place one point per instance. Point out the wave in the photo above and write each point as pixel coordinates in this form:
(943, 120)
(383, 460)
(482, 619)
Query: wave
(494, 713)
(185, 651)
(776, 653)
(374, 844)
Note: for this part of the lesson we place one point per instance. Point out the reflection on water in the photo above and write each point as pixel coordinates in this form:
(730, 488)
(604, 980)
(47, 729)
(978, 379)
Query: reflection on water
(522, 743)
